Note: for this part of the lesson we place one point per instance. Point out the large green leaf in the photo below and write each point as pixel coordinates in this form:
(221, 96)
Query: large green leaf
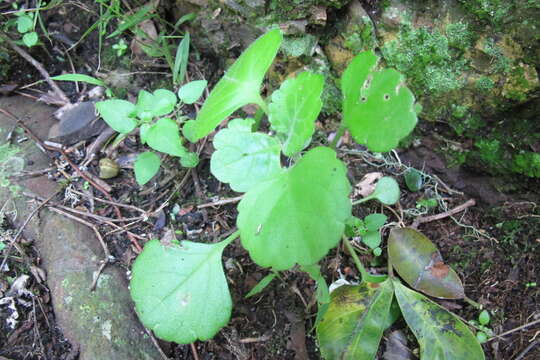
(378, 108)
(294, 109)
(242, 158)
(164, 136)
(418, 261)
(357, 316)
(180, 291)
(241, 85)
(298, 215)
(441, 335)
(118, 114)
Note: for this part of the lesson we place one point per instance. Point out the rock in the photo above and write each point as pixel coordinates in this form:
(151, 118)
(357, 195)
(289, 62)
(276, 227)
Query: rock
(77, 122)
(101, 322)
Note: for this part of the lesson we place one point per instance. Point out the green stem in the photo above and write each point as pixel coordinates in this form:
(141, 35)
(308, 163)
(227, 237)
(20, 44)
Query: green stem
(258, 117)
(473, 303)
(231, 238)
(367, 277)
(339, 134)
(260, 101)
(363, 200)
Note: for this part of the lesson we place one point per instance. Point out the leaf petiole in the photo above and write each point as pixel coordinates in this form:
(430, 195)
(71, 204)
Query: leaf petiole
(367, 277)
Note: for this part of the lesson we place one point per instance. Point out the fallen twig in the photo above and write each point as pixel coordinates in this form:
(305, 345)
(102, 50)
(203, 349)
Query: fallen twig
(515, 329)
(221, 202)
(457, 209)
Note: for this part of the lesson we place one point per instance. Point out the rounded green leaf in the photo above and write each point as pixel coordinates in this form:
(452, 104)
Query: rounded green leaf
(164, 136)
(242, 158)
(192, 91)
(372, 239)
(483, 318)
(298, 215)
(160, 102)
(30, 39)
(386, 191)
(241, 85)
(189, 160)
(374, 222)
(418, 261)
(378, 108)
(146, 166)
(117, 114)
(441, 335)
(352, 327)
(294, 108)
(414, 179)
(24, 24)
(180, 291)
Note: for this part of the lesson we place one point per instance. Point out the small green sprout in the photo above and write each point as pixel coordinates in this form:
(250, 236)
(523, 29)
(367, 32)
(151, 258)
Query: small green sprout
(120, 47)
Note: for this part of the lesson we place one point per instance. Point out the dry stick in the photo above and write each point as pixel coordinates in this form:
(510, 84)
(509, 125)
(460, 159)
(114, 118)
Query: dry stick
(221, 202)
(37, 65)
(457, 209)
(21, 228)
(131, 207)
(156, 344)
(527, 349)
(514, 330)
(194, 351)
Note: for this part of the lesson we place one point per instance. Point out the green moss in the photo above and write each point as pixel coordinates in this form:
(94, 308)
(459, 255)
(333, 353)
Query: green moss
(527, 163)
(500, 63)
(484, 83)
(494, 12)
(298, 46)
(459, 36)
(427, 59)
(459, 111)
(360, 37)
(299, 9)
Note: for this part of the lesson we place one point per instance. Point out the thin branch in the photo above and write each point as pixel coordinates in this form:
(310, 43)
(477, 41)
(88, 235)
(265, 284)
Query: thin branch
(221, 202)
(457, 209)
(515, 329)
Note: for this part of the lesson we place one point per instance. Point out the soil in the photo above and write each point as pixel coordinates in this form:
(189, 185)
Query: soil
(494, 246)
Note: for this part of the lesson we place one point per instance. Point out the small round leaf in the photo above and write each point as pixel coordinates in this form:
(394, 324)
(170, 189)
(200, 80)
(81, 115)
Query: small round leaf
(192, 91)
(117, 114)
(146, 166)
(30, 39)
(164, 136)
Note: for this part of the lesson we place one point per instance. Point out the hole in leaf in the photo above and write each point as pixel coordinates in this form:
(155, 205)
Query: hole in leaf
(386, 97)
(363, 99)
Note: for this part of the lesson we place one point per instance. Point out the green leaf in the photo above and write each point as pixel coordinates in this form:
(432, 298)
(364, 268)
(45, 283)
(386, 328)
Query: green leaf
(133, 20)
(441, 335)
(294, 109)
(181, 59)
(143, 132)
(189, 160)
(241, 85)
(174, 285)
(483, 318)
(261, 285)
(298, 215)
(414, 179)
(30, 39)
(2, 246)
(146, 166)
(378, 108)
(418, 261)
(386, 191)
(164, 136)
(80, 78)
(322, 293)
(159, 103)
(352, 327)
(374, 221)
(192, 91)
(117, 114)
(244, 159)
(24, 24)
(372, 239)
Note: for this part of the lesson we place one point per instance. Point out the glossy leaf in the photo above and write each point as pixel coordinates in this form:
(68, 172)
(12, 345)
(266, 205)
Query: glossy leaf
(146, 166)
(414, 179)
(261, 285)
(80, 78)
(441, 335)
(160, 102)
(357, 316)
(241, 85)
(174, 285)
(118, 114)
(298, 215)
(378, 108)
(294, 108)
(192, 91)
(418, 261)
(244, 159)
(164, 136)
(386, 191)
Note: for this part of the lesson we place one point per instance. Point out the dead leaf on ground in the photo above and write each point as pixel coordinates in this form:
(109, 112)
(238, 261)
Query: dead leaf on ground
(367, 185)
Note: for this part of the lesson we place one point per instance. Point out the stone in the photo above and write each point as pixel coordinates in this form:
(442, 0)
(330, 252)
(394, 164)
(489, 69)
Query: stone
(101, 322)
(77, 122)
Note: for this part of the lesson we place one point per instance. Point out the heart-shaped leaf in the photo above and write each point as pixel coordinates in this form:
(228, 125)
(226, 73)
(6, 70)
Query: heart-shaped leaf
(160, 103)
(418, 261)
(174, 285)
(241, 85)
(146, 166)
(298, 215)
(374, 221)
(242, 158)
(441, 335)
(357, 316)
(294, 109)
(118, 114)
(386, 191)
(192, 91)
(378, 108)
(164, 136)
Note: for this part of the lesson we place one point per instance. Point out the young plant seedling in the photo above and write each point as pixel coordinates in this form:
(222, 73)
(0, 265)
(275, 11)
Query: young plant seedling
(294, 215)
(156, 130)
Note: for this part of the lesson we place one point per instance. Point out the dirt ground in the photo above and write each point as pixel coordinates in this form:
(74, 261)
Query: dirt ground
(494, 246)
